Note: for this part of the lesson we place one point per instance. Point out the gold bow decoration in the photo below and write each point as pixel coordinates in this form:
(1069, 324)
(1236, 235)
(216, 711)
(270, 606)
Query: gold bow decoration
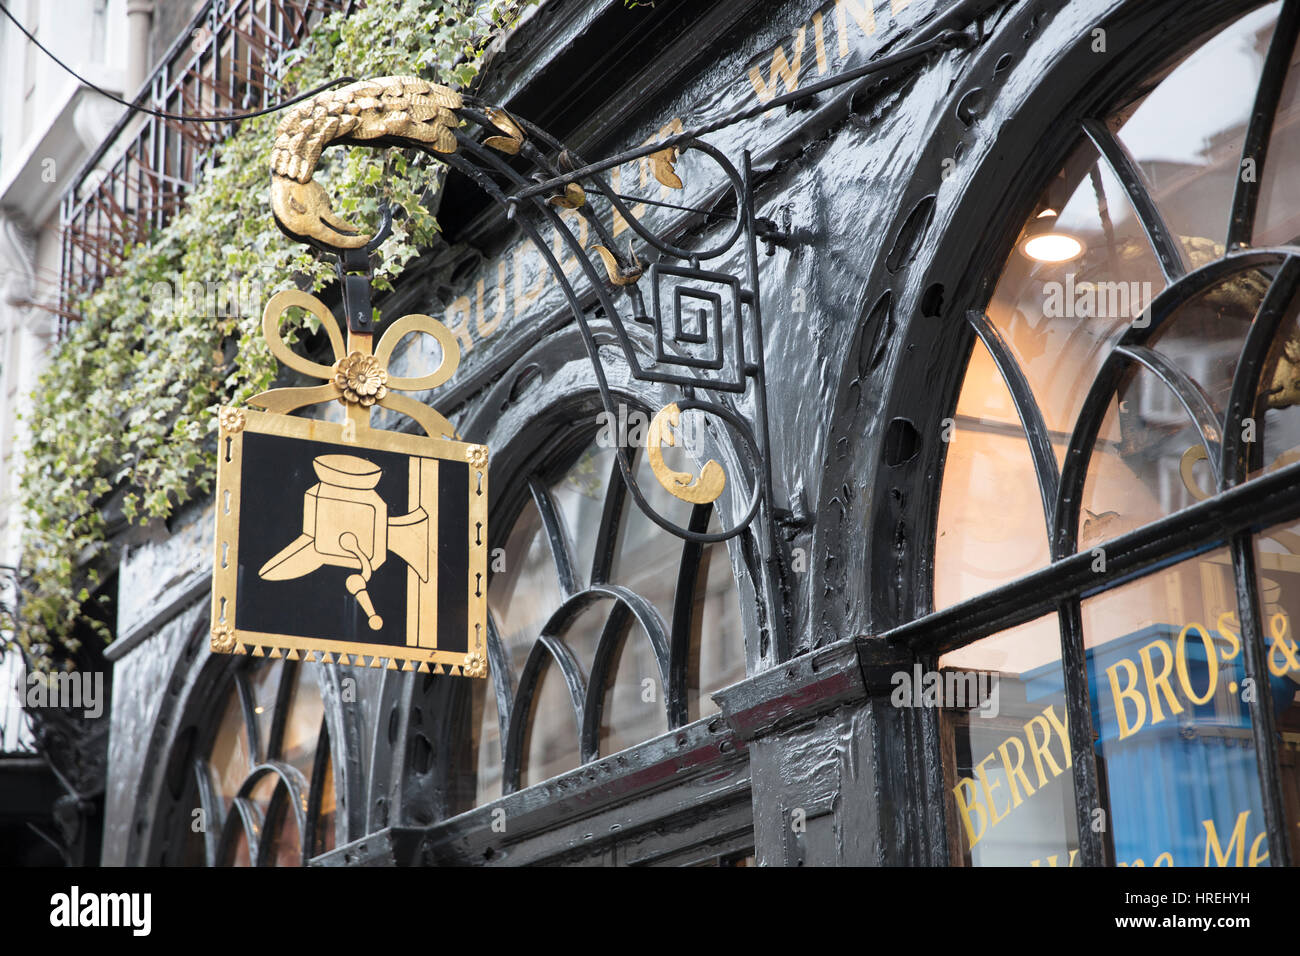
(359, 378)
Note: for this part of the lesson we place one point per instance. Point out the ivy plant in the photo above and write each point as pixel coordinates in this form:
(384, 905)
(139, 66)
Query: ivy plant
(124, 416)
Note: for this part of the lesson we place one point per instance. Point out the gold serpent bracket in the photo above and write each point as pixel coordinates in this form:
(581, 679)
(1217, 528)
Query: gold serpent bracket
(681, 484)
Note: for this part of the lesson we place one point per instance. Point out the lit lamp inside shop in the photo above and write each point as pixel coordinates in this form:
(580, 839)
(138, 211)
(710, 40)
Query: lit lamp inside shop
(1042, 241)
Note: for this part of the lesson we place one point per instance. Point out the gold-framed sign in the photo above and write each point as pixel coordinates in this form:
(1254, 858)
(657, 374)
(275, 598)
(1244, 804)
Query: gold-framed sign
(340, 542)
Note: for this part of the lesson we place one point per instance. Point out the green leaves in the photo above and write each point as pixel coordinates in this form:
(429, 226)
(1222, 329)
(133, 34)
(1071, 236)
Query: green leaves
(128, 402)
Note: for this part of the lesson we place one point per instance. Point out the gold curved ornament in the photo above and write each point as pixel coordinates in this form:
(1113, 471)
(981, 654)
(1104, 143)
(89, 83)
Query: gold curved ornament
(429, 326)
(681, 484)
(1288, 539)
(513, 141)
(404, 108)
(573, 197)
(271, 321)
(1190, 457)
(619, 275)
(664, 170)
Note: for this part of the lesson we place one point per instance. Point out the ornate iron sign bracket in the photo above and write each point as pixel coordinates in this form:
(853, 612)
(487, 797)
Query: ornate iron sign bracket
(536, 178)
(410, 112)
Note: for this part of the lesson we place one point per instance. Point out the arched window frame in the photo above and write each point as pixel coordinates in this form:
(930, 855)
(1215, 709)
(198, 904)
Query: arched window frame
(671, 640)
(1226, 519)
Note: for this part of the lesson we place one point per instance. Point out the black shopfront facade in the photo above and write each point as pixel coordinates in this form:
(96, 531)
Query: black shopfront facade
(1028, 313)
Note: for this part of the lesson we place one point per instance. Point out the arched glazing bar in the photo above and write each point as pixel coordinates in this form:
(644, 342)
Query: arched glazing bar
(1029, 412)
(588, 667)
(1245, 198)
(1232, 517)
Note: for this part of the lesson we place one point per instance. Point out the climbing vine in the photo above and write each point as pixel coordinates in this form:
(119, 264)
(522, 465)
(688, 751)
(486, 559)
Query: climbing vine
(123, 421)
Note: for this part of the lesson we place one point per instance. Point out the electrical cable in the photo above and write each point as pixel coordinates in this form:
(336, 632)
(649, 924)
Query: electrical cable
(163, 114)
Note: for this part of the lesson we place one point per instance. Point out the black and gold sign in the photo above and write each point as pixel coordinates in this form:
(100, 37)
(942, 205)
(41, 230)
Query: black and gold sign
(342, 542)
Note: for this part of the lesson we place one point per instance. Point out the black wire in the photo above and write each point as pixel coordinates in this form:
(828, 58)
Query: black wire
(668, 205)
(179, 117)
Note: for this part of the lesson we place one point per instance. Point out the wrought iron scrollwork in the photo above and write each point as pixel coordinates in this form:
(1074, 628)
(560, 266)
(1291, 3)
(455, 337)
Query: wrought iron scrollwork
(733, 312)
(685, 307)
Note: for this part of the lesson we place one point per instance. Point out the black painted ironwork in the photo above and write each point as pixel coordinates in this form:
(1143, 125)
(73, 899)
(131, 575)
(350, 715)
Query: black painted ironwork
(1164, 243)
(1245, 198)
(670, 641)
(736, 319)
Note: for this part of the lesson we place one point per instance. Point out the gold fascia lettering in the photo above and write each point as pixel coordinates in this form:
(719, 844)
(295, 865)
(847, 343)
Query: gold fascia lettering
(783, 69)
(966, 804)
(457, 322)
(1015, 771)
(1041, 750)
(862, 14)
(1156, 694)
(1051, 860)
(525, 298)
(486, 328)
(1159, 682)
(819, 41)
(1126, 693)
(1211, 665)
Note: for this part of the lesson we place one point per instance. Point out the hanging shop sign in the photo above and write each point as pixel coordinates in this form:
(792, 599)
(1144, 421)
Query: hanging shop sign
(340, 541)
(356, 544)
(353, 541)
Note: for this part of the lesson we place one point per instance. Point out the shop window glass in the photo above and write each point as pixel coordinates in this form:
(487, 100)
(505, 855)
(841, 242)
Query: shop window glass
(587, 601)
(1187, 134)
(1008, 787)
(1165, 674)
(252, 800)
(1062, 354)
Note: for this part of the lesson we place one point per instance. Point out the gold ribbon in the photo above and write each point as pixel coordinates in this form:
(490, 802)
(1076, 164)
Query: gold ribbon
(286, 400)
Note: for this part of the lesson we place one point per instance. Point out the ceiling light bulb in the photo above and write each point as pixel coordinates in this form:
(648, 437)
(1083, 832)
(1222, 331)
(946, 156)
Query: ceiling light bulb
(1052, 247)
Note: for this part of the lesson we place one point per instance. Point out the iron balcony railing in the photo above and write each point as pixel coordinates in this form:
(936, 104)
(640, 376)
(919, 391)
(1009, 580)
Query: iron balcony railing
(227, 60)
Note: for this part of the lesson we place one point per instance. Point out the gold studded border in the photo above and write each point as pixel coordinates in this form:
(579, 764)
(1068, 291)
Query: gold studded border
(447, 662)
